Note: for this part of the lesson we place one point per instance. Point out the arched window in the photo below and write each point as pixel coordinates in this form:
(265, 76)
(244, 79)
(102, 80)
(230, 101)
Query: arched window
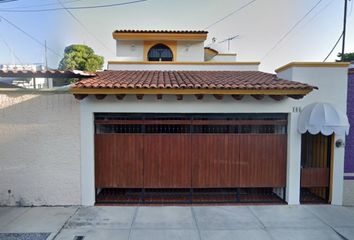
(160, 52)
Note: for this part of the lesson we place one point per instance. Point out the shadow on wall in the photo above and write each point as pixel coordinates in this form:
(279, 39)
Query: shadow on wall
(39, 150)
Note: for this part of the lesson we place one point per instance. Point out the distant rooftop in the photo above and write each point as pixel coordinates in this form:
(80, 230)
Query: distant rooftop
(45, 74)
(161, 31)
(21, 67)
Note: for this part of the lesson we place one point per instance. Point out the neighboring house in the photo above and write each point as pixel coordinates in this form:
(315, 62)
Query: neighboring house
(175, 122)
(35, 83)
(7, 85)
(349, 147)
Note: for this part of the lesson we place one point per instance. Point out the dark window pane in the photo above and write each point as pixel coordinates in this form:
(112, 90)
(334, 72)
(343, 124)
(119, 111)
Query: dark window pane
(160, 52)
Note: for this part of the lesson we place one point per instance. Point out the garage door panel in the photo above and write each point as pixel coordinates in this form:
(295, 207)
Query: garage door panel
(215, 160)
(103, 167)
(263, 160)
(119, 160)
(167, 161)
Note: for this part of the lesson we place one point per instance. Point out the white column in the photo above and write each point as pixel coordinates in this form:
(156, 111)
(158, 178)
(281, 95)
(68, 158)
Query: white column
(87, 155)
(50, 83)
(338, 173)
(293, 161)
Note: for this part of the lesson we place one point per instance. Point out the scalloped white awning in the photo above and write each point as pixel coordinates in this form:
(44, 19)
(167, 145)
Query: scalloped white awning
(324, 118)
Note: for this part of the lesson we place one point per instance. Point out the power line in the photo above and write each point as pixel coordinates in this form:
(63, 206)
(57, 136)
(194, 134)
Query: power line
(334, 47)
(29, 35)
(84, 26)
(75, 8)
(230, 14)
(6, 1)
(291, 29)
(316, 14)
(319, 12)
(40, 5)
(10, 49)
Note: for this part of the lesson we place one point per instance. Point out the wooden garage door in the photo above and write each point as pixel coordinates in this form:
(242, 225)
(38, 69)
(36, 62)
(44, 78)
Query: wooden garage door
(119, 160)
(216, 160)
(190, 152)
(263, 160)
(167, 161)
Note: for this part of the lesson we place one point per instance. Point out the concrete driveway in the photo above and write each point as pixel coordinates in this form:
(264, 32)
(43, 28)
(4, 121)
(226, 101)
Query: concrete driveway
(187, 223)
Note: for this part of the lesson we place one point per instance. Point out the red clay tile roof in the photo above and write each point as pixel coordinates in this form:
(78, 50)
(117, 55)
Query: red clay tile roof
(160, 31)
(235, 80)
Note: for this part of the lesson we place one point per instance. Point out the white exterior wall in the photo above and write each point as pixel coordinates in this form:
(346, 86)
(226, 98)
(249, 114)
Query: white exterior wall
(190, 51)
(133, 50)
(130, 50)
(39, 150)
(293, 159)
(332, 84)
(223, 58)
(183, 67)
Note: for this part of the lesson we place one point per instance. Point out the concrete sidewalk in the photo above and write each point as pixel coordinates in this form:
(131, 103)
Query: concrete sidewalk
(189, 223)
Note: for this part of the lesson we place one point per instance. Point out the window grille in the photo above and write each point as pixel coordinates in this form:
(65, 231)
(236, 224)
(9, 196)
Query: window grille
(189, 123)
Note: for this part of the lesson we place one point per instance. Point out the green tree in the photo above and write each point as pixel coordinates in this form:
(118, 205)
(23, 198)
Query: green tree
(80, 57)
(347, 57)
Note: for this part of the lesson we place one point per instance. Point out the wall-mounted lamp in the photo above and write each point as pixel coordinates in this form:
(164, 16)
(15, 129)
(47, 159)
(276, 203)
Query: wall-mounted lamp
(340, 143)
(187, 47)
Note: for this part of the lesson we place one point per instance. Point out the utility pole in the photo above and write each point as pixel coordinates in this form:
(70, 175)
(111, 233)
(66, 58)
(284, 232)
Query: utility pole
(49, 81)
(45, 55)
(344, 27)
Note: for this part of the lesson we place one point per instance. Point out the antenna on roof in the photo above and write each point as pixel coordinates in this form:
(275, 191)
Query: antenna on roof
(229, 40)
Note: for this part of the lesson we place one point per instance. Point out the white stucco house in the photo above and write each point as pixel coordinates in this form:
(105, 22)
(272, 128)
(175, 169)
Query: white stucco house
(171, 121)
(27, 83)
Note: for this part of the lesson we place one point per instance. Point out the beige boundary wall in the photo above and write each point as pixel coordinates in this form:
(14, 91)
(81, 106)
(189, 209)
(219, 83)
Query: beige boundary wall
(39, 149)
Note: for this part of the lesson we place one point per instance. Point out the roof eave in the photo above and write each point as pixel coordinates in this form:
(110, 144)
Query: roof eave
(189, 91)
(159, 36)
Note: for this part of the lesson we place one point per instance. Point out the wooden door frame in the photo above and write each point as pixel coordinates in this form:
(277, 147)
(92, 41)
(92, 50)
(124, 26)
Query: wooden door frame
(331, 168)
(313, 178)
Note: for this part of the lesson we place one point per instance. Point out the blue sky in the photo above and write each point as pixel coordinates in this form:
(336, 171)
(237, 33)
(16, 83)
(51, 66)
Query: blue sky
(259, 26)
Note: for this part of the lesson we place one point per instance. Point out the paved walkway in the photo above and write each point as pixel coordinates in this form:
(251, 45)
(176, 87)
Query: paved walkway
(187, 223)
